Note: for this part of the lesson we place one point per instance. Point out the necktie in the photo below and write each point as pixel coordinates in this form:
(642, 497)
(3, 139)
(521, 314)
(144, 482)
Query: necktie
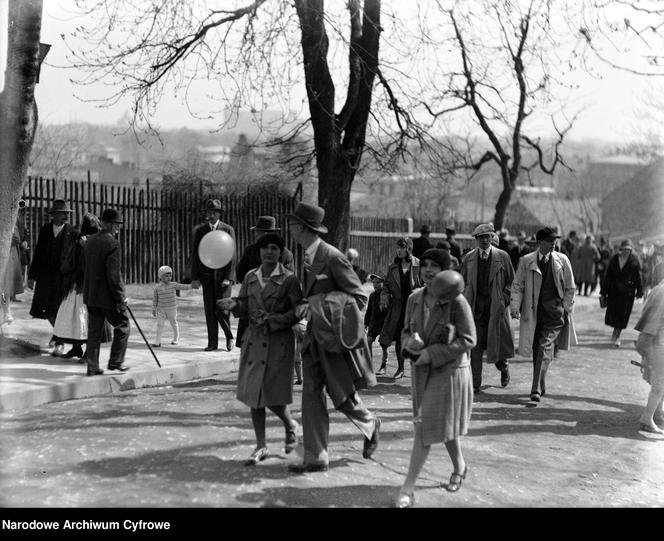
(485, 255)
(307, 260)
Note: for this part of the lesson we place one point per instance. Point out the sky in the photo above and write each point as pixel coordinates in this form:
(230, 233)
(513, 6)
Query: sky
(609, 102)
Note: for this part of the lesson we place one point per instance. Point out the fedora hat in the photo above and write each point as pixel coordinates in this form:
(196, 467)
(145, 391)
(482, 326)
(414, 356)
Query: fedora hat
(265, 223)
(310, 216)
(60, 205)
(213, 204)
(111, 215)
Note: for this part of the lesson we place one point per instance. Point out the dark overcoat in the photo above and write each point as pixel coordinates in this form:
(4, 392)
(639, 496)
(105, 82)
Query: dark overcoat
(49, 255)
(103, 286)
(395, 299)
(620, 286)
(201, 272)
(267, 356)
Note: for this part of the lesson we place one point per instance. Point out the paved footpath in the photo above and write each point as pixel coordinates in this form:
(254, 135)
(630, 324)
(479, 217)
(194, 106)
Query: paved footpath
(182, 444)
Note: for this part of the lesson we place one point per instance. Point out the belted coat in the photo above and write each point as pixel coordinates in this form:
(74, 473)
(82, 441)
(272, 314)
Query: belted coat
(500, 341)
(525, 296)
(395, 299)
(265, 376)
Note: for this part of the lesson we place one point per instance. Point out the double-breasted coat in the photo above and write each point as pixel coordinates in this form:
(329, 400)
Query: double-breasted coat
(620, 287)
(525, 297)
(442, 391)
(500, 341)
(267, 357)
(45, 268)
(395, 299)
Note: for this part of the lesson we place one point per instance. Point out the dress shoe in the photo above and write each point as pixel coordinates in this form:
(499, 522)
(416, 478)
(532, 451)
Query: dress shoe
(298, 382)
(404, 499)
(97, 372)
(381, 371)
(119, 368)
(455, 481)
(210, 348)
(535, 396)
(505, 376)
(175, 342)
(476, 390)
(398, 374)
(291, 438)
(259, 454)
(370, 445)
(58, 350)
(230, 344)
(73, 352)
(307, 468)
(156, 345)
(653, 429)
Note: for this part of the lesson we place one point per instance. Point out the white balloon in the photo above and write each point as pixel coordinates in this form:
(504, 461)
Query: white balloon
(216, 249)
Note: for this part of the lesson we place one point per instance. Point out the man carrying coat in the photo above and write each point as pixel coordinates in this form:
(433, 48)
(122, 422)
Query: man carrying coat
(543, 298)
(104, 294)
(216, 283)
(340, 370)
(487, 272)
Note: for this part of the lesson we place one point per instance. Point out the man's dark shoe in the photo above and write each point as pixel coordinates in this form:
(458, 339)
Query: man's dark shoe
(73, 352)
(211, 348)
(370, 445)
(307, 468)
(97, 372)
(230, 344)
(505, 376)
(120, 367)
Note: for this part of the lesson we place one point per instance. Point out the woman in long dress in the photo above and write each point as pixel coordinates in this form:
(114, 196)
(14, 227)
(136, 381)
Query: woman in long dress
(268, 297)
(439, 331)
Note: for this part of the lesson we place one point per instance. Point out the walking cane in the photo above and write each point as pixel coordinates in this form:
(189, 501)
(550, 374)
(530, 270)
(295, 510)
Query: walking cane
(139, 330)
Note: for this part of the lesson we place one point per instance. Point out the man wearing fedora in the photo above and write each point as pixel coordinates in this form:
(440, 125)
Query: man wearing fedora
(422, 243)
(56, 239)
(251, 259)
(543, 297)
(488, 274)
(216, 283)
(340, 371)
(104, 294)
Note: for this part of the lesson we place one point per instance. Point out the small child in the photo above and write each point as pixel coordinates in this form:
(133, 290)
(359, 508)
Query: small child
(374, 318)
(163, 303)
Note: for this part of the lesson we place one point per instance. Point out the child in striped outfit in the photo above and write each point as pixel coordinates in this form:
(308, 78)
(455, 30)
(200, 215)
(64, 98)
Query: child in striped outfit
(163, 303)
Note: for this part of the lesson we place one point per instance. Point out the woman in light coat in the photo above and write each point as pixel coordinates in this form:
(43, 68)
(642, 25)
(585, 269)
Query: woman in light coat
(268, 297)
(439, 331)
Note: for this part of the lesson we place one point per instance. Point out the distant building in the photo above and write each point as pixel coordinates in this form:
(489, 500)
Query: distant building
(604, 174)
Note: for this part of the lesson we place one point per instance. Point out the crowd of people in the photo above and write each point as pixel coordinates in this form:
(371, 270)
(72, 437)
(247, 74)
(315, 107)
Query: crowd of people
(445, 310)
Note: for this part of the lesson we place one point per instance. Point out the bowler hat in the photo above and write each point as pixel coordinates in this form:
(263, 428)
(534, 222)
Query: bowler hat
(483, 229)
(213, 204)
(442, 257)
(59, 205)
(627, 244)
(266, 223)
(310, 216)
(546, 233)
(425, 229)
(111, 215)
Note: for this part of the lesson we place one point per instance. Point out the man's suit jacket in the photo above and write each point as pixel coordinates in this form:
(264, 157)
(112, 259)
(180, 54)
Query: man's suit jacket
(198, 270)
(103, 286)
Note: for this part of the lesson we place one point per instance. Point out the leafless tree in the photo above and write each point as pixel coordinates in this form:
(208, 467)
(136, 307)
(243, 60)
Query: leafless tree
(57, 149)
(18, 113)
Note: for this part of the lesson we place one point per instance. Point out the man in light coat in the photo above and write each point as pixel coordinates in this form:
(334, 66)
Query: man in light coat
(487, 272)
(341, 372)
(543, 298)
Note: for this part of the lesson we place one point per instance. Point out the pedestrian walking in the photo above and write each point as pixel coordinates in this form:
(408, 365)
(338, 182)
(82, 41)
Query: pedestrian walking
(251, 259)
(216, 283)
(587, 255)
(164, 306)
(335, 357)
(519, 249)
(604, 257)
(13, 283)
(353, 257)
(438, 334)
(374, 318)
(621, 285)
(422, 243)
(104, 294)
(402, 277)
(54, 242)
(650, 345)
(455, 249)
(487, 273)
(268, 298)
(444, 245)
(542, 297)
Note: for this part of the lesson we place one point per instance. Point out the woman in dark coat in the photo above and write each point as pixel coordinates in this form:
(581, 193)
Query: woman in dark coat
(621, 285)
(267, 298)
(403, 276)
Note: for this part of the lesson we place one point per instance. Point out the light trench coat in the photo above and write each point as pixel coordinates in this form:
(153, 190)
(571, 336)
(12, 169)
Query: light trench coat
(525, 296)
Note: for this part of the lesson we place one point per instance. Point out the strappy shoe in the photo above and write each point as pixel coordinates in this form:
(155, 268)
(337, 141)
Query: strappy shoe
(291, 438)
(404, 499)
(257, 456)
(454, 486)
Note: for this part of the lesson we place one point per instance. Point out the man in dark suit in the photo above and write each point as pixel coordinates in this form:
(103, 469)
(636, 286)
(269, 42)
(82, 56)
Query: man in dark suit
(455, 249)
(216, 283)
(339, 371)
(104, 294)
(251, 259)
(422, 243)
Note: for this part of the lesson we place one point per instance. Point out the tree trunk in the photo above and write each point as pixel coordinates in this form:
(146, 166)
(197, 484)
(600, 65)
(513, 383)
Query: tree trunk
(18, 114)
(501, 207)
